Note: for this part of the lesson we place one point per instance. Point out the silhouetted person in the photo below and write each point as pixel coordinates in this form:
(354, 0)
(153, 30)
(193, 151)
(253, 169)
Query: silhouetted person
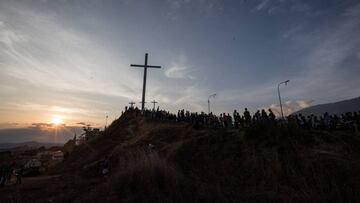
(236, 119)
(271, 115)
(18, 175)
(2, 176)
(264, 115)
(247, 117)
(257, 116)
(8, 173)
(151, 147)
(106, 166)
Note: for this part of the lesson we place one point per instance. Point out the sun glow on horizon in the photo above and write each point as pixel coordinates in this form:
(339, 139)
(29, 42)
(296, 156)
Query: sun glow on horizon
(57, 120)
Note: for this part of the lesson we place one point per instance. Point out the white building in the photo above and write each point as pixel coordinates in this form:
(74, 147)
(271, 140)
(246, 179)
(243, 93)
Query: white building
(58, 155)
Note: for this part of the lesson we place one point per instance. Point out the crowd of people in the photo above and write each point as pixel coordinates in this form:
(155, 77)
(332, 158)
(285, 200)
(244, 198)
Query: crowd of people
(347, 121)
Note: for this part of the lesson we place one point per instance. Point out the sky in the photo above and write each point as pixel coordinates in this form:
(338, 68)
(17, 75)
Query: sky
(70, 60)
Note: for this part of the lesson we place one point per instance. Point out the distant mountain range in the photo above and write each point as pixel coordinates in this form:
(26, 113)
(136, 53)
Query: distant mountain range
(340, 107)
(25, 145)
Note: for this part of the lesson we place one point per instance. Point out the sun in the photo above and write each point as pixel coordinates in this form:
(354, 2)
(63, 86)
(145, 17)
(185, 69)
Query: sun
(57, 121)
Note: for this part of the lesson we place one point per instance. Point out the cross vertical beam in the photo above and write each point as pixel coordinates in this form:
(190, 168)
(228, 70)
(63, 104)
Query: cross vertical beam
(144, 83)
(145, 66)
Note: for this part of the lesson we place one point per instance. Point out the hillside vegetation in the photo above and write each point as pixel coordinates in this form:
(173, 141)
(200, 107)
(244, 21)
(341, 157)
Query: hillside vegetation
(260, 164)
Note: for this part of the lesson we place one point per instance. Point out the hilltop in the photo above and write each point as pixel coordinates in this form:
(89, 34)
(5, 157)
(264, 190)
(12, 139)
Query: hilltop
(260, 164)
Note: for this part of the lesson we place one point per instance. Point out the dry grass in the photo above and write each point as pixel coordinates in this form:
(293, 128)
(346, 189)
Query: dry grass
(145, 177)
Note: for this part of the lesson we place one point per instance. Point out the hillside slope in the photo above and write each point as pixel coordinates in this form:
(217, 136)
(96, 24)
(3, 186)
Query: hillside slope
(351, 105)
(263, 164)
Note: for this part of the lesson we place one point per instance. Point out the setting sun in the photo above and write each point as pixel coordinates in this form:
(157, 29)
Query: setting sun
(57, 121)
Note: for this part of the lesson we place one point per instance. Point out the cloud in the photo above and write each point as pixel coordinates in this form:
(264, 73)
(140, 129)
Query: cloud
(81, 123)
(179, 72)
(293, 31)
(41, 125)
(324, 58)
(49, 66)
(10, 125)
(281, 6)
(289, 106)
(66, 59)
(262, 5)
(206, 8)
(39, 134)
(353, 11)
(331, 60)
(179, 69)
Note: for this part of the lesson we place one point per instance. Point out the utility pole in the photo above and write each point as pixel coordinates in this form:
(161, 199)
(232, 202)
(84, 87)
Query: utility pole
(213, 95)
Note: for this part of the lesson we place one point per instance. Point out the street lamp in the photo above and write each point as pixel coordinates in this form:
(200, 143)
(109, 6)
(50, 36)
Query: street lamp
(285, 82)
(106, 121)
(213, 95)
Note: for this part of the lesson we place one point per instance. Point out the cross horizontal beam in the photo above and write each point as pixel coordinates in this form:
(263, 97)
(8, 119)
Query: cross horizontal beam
(143, 66)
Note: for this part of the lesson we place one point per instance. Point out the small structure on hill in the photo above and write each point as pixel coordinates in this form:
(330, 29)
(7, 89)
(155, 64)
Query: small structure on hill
(58, 156)
(32, 167)
(33, 163)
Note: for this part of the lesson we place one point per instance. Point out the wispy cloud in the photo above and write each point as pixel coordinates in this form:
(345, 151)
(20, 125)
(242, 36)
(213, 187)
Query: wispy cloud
(50, 67)
(180, 69)
(330, 57)
(262, 5)
(293, 31)
(205, 8)
(280, 6)
(47, 53)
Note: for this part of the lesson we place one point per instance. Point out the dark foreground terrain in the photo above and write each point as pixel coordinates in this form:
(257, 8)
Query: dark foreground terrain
(260, 164)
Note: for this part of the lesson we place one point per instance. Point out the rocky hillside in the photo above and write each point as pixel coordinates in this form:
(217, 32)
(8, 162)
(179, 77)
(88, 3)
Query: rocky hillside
(260, 164)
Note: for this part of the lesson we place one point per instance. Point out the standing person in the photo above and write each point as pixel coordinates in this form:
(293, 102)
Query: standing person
(236, 119)
(247, 117)
(264, 115)
(151, 148)
(106, 166)
(8, 173)
(230, 121)
(271, 115)
(2, 176)
(18, 174)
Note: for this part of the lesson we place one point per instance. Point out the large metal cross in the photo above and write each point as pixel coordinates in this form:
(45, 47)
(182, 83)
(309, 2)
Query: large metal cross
(145, 66)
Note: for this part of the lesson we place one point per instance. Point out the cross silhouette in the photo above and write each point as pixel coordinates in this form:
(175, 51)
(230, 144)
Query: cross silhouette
(154, 102)
(142, 103)
(145, 66)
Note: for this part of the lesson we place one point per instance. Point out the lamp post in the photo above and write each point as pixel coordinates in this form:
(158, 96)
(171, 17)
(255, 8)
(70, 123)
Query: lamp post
(106, 119)
(213, 95)
(285, 82)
